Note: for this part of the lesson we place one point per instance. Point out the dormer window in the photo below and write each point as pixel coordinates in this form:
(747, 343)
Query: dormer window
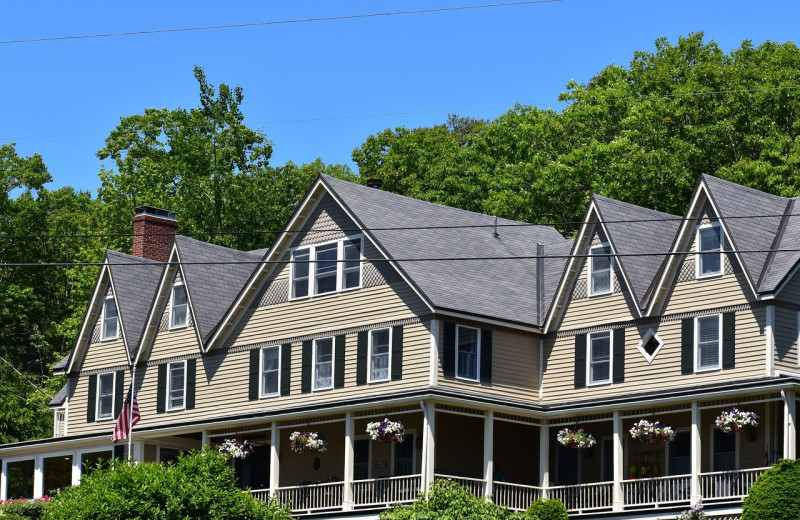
(110, 329)
(600, 270)
(709, 247)
(326, 268)
(179, 304)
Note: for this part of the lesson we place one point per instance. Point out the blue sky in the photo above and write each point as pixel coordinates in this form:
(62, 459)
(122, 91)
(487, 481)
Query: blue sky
(61, 98)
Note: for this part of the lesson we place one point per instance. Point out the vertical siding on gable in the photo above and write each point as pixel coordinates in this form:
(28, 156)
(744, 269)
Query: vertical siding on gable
(791, 291)
(105, 354)
(172, 343)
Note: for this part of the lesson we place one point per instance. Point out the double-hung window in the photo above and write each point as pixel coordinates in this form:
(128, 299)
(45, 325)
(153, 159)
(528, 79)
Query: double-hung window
(270, 364)
(709, 247)
(379, 358)
(708, 347)
(468, 351)
(176, 385)
(599, 270)
(599, 357)
(323, 364)
(105, 396)
(326, 268)
(110, 319)
(179, 307)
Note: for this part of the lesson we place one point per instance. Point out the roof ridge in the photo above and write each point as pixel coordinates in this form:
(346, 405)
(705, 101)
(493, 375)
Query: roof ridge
(219, 249)
(740, 187)
(776, 242)
(135, 258)
(597, 196)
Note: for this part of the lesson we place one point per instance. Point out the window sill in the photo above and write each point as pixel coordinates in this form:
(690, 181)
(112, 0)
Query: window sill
(104, 419)
(320, 295)
(708, 369)
(378, 381)
(322, 389)
(180, 327)
(709, 275)
(115, 338)
(182, 408)
(604, 293)
(607, 382)
(467, 379)
(269, 396)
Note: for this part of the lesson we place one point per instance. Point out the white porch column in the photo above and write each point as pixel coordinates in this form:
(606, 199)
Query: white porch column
(349, 462)
(76, 468)
(204, 440)
(789, 425)
(429, 445)
(274, 459)
(769, 332)
(38, 477)
(544, 458)
(4, 481)
(618, 461)
(488, 453)
(696, 458)
(138, 451)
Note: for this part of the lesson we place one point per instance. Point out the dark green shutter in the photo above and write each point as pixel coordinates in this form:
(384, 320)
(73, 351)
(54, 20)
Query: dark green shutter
(305, 379)
(119, 451)
(91, 405)
(119, 392)
(397, 352)
(286, 368)
(191, 382)
(362, 349)
(255, 355)
(619, 355)
(580, 361)
(729, 340)
(486, 356)
(687, 346)
(449, 349)
(161, 392)
(338, 361)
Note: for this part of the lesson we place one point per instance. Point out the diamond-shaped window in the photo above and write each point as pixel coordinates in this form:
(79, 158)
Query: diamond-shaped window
(650, 345)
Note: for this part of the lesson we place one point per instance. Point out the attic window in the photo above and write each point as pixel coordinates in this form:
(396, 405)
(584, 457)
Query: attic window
(650, 345)
(110, 327)
(600, 270)
(326, 268)
(709, 247)
(179, 304)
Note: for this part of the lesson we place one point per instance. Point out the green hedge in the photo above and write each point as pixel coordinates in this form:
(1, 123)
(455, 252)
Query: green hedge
(24, 509)
(774, 496)
(551, 509)
(447, 500)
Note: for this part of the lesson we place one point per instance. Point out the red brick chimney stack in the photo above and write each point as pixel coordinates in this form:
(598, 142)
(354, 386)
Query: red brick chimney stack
(153, 232)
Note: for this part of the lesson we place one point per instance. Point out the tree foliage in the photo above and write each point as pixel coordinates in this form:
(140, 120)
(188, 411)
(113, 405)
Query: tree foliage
(200, 486)
(552, 509)
(774, 495)
(641, 134)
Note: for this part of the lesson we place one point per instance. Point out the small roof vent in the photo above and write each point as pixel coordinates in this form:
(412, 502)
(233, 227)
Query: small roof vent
(156, 212)
(375, 183)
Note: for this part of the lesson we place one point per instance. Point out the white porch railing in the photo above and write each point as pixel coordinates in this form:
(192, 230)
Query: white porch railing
(517, 497)
(476, 486)
(312, 497)
(584, 497)
(728, 484)
(386, 491)
(657, 490)
(261, 494)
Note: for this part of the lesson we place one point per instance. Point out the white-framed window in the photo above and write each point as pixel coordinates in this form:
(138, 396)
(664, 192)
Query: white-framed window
(707, 342)
(650, 345)
(599, 357)
(105, 396)
(709, 250)
(600, 270)
(326, 268)
(179, 307)
(468, 353)
(176, 385)
(380, 359)
(110, 327)
(270, 371)
(323, 363)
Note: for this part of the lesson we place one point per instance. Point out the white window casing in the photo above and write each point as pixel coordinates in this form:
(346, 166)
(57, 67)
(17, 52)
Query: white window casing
(326, 268)
(269, 370)
(110, 320)
(380, 355)
(600, 270)
(176, 386)
(468, 353)
(599, 357)
(105, 396)
(323, 357)
(179, 307)
(709, 250)
(708, 343)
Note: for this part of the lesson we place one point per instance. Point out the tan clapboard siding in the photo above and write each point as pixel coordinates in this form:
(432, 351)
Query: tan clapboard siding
(791, 291)
(719, 291)
(78, 397)
(515, 366)
(786, 339)
(172, 343)
(104, 354)
(665, 370)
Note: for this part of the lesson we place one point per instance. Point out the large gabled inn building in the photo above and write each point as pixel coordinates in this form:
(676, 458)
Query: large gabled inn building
(483, 340)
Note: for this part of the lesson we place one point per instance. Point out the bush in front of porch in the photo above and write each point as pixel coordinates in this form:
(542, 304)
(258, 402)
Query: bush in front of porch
(547, 510)
(447, 500)
(24, 509)
(774, 496)
(200, 485)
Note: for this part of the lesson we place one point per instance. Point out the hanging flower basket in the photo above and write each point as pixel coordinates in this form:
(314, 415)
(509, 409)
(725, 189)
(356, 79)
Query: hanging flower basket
(236, 449)
(386, 431)
(575, 438)
(307, 442)
(734, 420)
(656, 432)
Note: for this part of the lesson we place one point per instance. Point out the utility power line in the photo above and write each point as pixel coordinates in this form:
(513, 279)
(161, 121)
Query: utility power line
(279, 22)
(25, 378)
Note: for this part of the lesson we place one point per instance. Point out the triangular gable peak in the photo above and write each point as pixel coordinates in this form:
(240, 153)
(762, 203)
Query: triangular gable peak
(294, 233)
(90, 327)
(159, 318)
(702, 210)
(593, 233)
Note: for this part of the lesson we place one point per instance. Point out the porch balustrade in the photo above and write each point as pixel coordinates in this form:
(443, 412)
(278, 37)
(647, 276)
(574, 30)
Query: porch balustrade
(728, 484)
(584, 497)
(386, 491)
(516, 497)
(656, 491)
(476, 486)
(312, 497)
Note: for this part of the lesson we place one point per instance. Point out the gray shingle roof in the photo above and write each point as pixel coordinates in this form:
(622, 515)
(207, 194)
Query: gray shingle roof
(62, 365)
(135, 282)
(213, 287)
(504, 289)
(59, 398)
(633, 229)
(780, 263)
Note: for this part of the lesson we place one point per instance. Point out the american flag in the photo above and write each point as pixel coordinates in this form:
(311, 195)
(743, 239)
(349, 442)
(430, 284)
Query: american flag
(126, 418)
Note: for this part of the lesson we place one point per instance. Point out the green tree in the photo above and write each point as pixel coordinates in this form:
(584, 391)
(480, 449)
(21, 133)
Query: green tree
(774, 495)
(200, 486)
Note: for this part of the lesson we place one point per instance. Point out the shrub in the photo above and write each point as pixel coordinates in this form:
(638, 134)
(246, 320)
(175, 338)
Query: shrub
(201, 485)
(24, 509)
(774, 495)
(449, 501)
(551, 509)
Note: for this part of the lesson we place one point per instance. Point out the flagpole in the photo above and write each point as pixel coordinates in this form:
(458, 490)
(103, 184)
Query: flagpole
(130, 414)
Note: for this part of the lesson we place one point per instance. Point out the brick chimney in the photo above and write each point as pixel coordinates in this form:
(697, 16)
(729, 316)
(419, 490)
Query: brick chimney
(153, 232)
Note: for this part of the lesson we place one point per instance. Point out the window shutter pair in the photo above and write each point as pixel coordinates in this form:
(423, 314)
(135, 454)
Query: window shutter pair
(728, 343)
(91, 405)
(449, 352)
(285, 371)
(362, 355)
(617, 356)
(191, 384)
